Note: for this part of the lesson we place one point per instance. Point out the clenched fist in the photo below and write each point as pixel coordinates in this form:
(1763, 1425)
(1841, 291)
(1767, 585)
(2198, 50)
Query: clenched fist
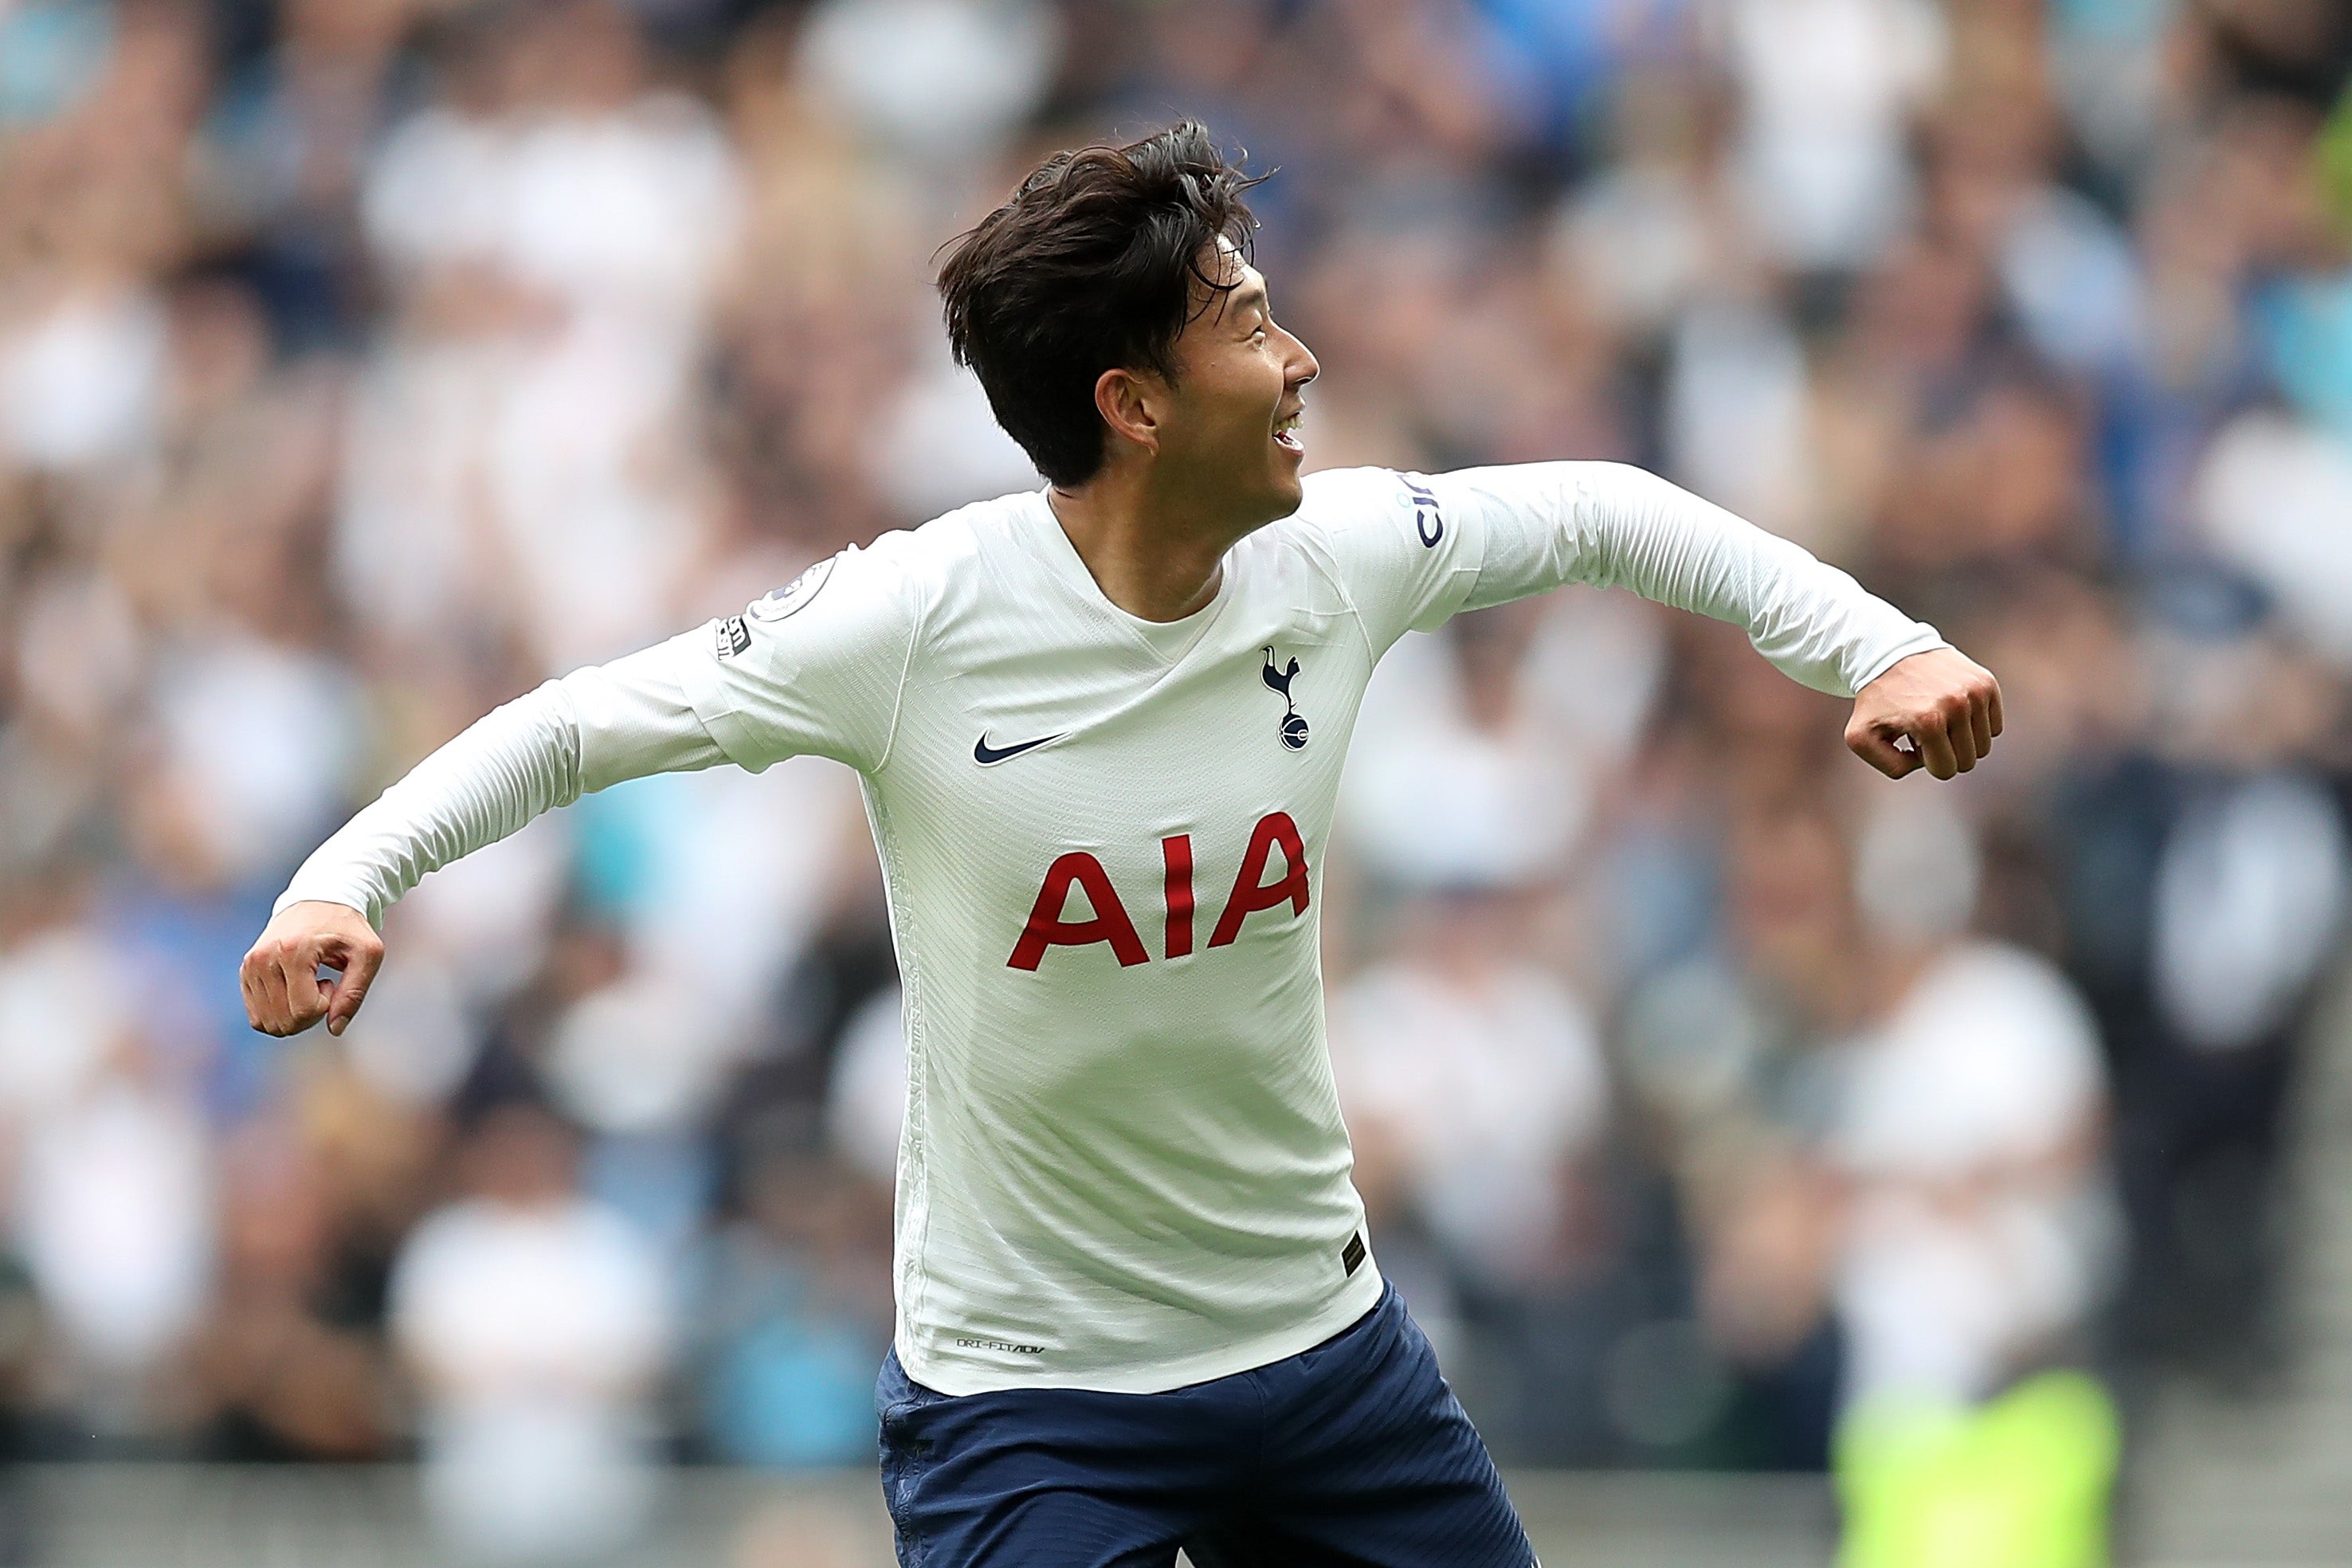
(283, 992)
(1946, 704)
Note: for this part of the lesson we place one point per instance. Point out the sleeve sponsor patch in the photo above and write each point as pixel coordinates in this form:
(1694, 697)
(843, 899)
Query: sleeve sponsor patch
(734, 637)
(794, 594)
(1428, 521)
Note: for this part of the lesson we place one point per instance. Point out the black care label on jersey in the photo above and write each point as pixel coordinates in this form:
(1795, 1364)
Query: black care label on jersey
(1352, 1257)
(734, 637)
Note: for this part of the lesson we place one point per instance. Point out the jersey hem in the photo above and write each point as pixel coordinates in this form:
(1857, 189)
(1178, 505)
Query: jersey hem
(955, 1377)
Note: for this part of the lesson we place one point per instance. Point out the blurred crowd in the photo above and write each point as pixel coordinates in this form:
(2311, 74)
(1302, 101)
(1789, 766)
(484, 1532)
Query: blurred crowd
(363, 362)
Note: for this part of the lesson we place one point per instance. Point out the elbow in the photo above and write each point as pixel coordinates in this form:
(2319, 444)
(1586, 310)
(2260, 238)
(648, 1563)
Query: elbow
(1623, 499)
(1641, 487)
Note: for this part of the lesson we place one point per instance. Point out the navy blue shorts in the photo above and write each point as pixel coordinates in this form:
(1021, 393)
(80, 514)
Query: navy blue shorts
(1354, 1453)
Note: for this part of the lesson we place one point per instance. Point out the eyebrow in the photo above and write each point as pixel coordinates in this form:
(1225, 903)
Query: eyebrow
(1247, 295)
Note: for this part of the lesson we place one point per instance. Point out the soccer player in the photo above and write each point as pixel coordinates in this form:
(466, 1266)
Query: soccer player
(1100, 726)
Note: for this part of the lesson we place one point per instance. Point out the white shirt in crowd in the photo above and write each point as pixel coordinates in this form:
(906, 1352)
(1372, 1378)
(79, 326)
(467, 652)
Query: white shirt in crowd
(1489, 1082)
(548, 433)
(1122, 1165)
(540, 1329)
(1977, 1239)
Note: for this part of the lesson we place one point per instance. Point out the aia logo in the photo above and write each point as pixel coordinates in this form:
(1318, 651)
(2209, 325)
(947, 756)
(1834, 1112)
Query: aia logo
(1107, 919)
(1294, 728)
(1428, 522)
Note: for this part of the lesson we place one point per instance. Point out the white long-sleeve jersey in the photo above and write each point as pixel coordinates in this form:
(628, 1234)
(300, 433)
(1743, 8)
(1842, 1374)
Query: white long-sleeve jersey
(1123, 1166)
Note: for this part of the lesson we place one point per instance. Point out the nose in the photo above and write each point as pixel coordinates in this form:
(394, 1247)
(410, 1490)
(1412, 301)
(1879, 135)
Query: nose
(1301, 366)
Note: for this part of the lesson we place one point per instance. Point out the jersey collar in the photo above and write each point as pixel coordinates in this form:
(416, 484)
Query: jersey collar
(1166, 640)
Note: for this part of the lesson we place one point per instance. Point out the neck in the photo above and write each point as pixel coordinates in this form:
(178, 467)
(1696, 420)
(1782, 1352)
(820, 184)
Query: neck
(1148, 551)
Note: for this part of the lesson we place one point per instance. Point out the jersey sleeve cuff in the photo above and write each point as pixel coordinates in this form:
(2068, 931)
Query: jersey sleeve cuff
(1923, 639)
(300, 892)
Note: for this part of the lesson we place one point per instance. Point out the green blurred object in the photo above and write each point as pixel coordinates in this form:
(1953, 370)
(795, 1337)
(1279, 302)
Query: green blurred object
(2336, 160)
(2024, 1481)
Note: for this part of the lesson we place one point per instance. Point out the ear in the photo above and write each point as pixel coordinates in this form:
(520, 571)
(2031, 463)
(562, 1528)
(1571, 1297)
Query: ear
(1130, 404)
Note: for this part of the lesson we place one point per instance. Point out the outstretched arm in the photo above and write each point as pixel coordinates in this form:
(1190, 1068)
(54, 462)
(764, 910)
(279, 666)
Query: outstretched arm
(593, 728)
(1613, 525)
(813, 668)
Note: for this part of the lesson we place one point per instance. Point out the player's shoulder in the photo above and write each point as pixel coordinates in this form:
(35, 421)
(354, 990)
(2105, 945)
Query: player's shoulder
(906, 568)
(1330, 500)
(940, 546)
(1344, 514)
(1339, 496)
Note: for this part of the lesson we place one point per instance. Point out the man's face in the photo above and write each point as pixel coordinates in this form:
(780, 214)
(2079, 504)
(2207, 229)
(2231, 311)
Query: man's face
(1232, 435)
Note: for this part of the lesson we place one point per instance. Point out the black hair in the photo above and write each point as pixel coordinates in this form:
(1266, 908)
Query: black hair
(1097, 261)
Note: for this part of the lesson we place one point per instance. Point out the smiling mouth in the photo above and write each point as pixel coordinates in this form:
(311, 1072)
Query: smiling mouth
(1286, 430)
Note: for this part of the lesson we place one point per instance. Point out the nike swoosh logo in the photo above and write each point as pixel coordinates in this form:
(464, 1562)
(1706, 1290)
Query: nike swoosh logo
(988, 756)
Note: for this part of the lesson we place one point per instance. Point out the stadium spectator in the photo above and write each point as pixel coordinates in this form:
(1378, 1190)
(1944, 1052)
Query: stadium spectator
(537, 1323)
